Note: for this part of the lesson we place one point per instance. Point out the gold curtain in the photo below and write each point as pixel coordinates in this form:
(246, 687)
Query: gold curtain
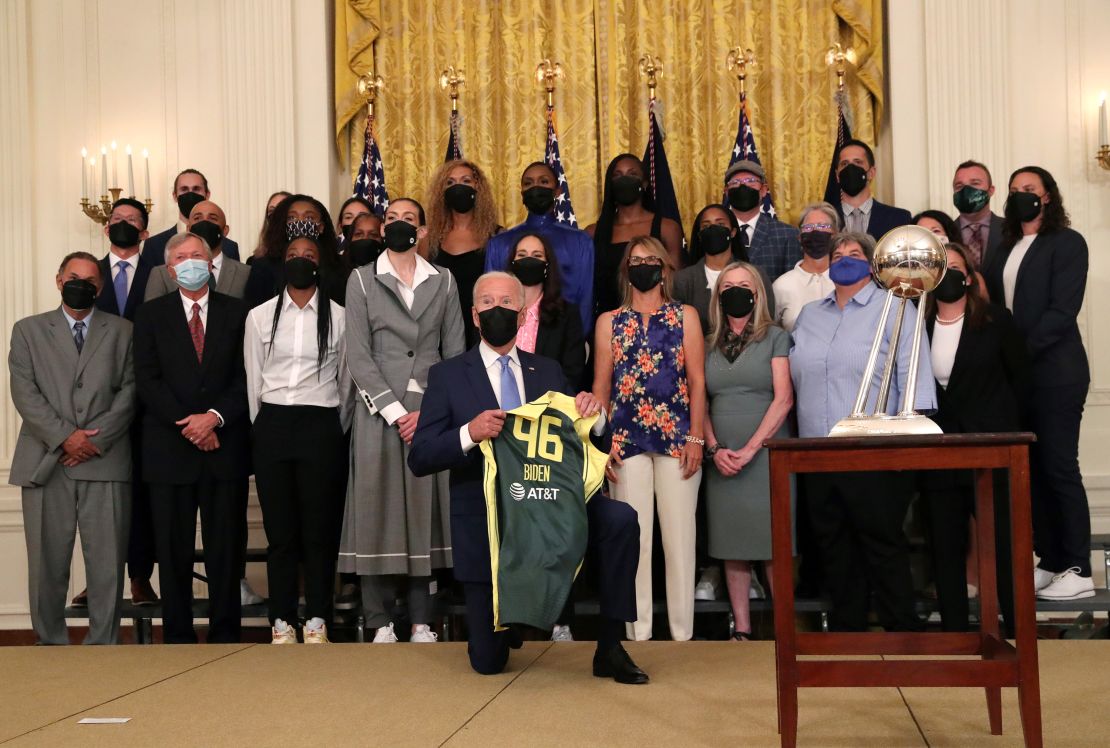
(602, 104)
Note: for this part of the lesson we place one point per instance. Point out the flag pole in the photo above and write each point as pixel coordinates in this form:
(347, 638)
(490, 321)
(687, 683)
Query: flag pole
(369, 86)
(738, 60)
(451, 80)
(547, 72)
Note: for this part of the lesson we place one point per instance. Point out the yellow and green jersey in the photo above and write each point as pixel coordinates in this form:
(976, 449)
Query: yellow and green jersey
(539, 473)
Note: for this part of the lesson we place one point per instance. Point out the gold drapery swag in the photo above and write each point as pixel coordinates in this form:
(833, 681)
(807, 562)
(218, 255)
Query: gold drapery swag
(602, 103)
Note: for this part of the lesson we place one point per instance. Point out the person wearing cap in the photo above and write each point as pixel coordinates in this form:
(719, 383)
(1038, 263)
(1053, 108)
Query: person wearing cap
(772, 245)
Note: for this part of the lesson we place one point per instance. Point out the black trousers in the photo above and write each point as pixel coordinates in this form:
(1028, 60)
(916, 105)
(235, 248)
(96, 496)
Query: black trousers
(948, 501)
(613, 552)
(174, 511)
(857, 520)
(300, 471)
(1061, 517)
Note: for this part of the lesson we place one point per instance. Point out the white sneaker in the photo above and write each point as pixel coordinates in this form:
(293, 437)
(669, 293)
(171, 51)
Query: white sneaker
(755, 592)
(385, 634)
(1068, 586)
(315, 632)
(708, 585)
(420, 635)
(248, 596)
(1041, 578)
(561, 634)
(282, 633)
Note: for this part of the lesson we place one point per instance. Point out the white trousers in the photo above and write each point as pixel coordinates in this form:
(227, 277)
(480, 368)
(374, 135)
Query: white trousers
(640, 480)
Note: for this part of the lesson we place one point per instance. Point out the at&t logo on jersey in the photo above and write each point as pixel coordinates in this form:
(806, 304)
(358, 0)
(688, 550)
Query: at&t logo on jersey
(519, 493)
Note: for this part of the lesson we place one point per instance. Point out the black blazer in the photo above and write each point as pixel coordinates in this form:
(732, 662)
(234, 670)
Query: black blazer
(1048, 294)
(106, 301)
(885, 217)
(172, 384)
(154, 248)
(989, 380)
(458, 390)
(562, 341)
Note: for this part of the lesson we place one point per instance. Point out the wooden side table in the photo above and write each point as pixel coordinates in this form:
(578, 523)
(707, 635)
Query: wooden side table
(1000, 664)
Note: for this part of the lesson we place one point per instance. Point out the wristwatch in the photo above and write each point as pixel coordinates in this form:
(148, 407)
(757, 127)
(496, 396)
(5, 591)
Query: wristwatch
(710, 451)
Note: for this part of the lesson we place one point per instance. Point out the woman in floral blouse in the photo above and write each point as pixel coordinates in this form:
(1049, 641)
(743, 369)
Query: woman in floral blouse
(650, 374)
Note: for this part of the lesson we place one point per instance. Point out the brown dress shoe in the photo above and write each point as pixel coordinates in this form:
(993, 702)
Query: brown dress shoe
(80, 600)
(142, 593)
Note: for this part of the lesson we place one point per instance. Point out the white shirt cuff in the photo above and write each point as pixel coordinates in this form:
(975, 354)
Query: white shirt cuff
(392, 412)
(465, 440)
(219, 418)
(599, 424)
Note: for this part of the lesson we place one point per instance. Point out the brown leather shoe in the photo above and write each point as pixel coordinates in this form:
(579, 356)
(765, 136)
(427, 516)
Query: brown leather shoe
(80, 600)
(142, 593)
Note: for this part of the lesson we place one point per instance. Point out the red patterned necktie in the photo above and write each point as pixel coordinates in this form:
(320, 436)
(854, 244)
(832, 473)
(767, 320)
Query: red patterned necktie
(975, 243)
(196, 332)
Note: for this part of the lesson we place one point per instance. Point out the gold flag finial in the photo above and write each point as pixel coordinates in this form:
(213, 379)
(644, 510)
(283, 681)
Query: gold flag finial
(840, 57)
(369, 86)
(452, 79)
(738, 61)
(547, 72)
(651, 67)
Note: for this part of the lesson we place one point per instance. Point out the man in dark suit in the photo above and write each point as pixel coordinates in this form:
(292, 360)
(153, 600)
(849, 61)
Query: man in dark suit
(855, 171)
(981, 229)
(189, 188)
(464, 404)
(189, 374)
(125, 276)
(772, 245)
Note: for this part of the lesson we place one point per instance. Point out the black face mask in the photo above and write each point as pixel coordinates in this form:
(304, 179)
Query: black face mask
(952, 286)
(187, 201)
(460, 198)
(852, 179)
(530, 271)
(209, 232)
(737, 301)
(743, 198)
(645, 277)
(627, 189)
(1024, 206)
(498, 325)
(539, 200)
(300, 272)
(363, 251)
(816, 243)
(400, 236)
(122, 234)
(78, 294)
(714, 240)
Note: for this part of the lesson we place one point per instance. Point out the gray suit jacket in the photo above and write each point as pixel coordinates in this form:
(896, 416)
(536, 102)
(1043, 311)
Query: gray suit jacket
(690, 286)
(232, 282)
(56, 391)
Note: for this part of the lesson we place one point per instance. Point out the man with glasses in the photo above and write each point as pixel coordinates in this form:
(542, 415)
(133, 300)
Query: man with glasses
(772, 245)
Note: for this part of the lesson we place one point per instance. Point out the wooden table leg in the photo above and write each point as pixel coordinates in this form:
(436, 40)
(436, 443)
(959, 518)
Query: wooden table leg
(1025, 611)
(782, 593)
(988, 584)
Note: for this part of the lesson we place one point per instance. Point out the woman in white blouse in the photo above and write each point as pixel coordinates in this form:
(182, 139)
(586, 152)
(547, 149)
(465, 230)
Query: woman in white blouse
(293, 349)
(809, 279)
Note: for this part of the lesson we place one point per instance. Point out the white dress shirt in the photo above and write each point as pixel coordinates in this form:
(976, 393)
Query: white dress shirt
(424, 270)
(796, 288)
(1013, 265)
(217, 263)
(750, 223)
(286, 374)
(132, 265)
(946, 339)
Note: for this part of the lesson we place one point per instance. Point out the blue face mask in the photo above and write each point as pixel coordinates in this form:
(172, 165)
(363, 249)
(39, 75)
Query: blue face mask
(849, 270)
(192, 274)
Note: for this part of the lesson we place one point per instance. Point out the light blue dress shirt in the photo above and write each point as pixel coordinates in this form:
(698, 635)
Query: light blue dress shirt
(830, 352)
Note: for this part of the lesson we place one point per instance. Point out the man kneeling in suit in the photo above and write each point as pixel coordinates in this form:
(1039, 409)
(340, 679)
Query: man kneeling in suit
(465, 403)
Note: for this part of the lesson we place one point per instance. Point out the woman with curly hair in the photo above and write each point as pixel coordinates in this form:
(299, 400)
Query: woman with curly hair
(461, 219)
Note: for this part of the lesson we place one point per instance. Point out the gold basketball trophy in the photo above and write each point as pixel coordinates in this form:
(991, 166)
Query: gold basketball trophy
(909, 262)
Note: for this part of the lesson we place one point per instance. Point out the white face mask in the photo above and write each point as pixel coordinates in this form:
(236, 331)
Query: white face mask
(192, 274)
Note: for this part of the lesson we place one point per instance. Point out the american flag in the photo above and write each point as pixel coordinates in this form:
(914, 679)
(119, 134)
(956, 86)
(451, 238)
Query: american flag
(564, 212)
(744, 149)
(843, 134)
(660, 184)
(454, 148)
(370, 184)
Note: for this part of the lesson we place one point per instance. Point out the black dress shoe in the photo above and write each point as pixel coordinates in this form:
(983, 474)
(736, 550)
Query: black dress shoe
(513, 637)
(616, 664)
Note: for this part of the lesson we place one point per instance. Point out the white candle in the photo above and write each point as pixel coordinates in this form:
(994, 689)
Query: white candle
(130, 175)
(84, 175)
(146, 159)
(92, 172)
(1102, 138)
(115, 165)
(103, 171)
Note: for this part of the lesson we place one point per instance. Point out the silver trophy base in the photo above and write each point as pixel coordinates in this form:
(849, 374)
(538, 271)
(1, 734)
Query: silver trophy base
(884, 426)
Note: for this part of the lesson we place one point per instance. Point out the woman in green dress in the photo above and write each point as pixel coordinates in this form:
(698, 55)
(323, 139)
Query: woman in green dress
(747, 378)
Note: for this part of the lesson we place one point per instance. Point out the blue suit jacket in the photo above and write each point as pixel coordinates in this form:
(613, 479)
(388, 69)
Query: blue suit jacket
(154, 248)
(774, 246)
(458, 390)
(885, 217)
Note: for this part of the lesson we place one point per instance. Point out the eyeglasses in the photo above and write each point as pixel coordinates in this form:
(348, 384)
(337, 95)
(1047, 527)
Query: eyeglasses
(749, 181)
(634, 261)
(808, 227)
